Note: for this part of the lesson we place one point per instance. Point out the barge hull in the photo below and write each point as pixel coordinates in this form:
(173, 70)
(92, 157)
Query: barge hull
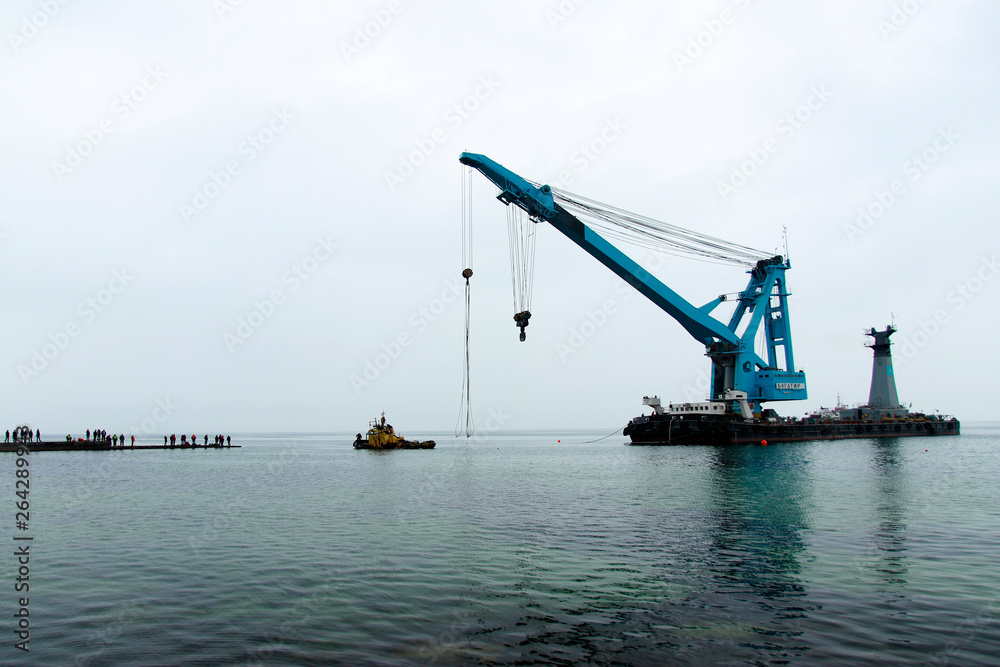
(730, 432)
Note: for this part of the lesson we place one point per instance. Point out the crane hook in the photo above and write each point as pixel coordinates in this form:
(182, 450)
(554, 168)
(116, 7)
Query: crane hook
(521, 320)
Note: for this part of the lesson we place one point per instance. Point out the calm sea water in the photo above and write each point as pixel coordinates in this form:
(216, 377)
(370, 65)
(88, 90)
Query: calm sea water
(512, 548)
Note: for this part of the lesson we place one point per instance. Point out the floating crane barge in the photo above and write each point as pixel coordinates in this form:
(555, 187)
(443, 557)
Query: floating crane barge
(741, 380)
(711, 422)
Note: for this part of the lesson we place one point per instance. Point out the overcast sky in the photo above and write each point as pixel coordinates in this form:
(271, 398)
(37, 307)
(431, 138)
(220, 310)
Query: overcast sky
(238, 215)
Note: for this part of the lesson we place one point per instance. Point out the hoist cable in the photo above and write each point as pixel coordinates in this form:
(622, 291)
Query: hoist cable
(521, 241)
(465, 421)
(521, 237)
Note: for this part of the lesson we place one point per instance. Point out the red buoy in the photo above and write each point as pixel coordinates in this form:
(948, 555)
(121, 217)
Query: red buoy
(764, 442)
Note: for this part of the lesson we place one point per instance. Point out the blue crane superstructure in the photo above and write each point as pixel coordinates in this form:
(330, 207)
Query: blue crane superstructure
(738, 372)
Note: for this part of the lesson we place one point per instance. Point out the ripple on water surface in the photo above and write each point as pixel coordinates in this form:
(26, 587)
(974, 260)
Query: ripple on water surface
(304, 551)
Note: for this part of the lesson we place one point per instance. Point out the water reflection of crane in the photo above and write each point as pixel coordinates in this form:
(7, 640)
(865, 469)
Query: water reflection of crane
(761, 498)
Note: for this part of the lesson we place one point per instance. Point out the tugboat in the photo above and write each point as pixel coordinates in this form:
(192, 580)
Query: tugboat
(382, 436)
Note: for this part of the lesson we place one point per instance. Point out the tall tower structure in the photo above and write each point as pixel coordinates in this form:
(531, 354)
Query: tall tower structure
(882, 394)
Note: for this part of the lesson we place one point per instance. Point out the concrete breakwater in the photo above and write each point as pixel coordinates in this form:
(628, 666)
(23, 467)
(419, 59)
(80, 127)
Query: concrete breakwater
(93, 446)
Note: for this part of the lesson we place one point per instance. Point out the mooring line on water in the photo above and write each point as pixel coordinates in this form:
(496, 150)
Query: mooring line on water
(587, 442)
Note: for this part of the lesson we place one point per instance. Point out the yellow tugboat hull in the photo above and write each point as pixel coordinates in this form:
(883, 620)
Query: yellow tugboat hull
(402, 444)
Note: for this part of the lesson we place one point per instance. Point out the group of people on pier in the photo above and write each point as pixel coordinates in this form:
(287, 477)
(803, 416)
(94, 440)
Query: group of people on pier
(219, 441)
(24, 434)
(100, 435)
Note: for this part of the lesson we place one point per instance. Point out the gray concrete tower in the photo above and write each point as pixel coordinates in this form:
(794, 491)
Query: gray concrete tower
(883, 390)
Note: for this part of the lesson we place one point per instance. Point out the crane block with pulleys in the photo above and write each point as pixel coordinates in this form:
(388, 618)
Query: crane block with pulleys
(521, 320)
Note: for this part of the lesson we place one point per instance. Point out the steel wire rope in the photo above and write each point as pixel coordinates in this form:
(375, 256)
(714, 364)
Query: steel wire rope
(465, 407)
(643, 231)
(638, 232)
(612, 212)
(521, 241)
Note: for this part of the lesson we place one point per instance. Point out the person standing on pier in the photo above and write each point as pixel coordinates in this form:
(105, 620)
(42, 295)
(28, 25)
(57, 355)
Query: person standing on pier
(7, 438)
(88, 434)
(38, 435)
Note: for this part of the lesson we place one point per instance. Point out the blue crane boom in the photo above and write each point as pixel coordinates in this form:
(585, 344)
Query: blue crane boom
(735, 365)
